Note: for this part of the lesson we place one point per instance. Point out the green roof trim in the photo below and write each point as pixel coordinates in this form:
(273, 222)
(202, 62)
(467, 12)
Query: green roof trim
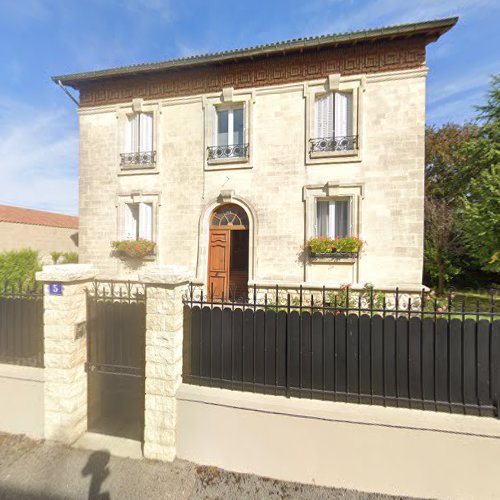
(432, 28)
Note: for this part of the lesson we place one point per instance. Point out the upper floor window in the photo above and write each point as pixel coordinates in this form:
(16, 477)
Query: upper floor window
(333, 123)
(333, 218)
(229, 134)
(138, 221)
(138, 141)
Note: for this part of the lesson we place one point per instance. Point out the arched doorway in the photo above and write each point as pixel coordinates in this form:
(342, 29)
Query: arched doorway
(228, 252)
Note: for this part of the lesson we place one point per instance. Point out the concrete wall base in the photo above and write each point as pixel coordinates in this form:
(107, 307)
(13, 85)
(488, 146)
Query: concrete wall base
(374, 449)
(22, 400)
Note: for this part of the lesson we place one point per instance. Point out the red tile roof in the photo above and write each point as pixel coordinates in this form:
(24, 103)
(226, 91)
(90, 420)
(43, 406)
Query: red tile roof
(20, 215)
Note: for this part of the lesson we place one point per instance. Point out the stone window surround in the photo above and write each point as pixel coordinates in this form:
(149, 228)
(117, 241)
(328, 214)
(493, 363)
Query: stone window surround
(122, 114)
(138, 196)
(334, 82)
(227, 98)
(330, 190)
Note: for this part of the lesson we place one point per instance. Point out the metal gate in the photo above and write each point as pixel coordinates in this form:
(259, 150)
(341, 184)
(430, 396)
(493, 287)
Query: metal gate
(116, 327)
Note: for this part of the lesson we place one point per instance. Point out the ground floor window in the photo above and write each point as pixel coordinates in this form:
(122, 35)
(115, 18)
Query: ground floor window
(138, 221)
(333, 218)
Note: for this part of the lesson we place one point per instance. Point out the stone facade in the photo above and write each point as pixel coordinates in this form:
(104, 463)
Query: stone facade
(386, 177)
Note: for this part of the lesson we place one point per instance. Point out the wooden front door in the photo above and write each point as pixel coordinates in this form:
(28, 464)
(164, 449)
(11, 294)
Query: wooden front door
(219, 251)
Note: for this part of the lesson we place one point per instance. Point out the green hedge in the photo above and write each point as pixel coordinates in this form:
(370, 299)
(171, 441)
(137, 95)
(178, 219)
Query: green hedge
(18, 267)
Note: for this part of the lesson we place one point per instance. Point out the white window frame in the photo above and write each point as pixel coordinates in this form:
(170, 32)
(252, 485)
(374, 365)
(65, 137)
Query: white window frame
(125, 199)
(234, 98)
(230, 122)
(143, 222)
(331, 215)
(316, 89)
(123, 112)
(135, 144)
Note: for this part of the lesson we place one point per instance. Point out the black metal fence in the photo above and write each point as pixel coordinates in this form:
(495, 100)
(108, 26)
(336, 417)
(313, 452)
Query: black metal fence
(21, 325)
(357, 347)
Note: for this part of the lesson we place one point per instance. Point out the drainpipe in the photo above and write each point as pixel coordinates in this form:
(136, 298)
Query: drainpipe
(68, 93)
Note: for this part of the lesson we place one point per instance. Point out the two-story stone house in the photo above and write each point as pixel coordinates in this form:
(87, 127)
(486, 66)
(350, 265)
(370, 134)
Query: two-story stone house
(230, 161)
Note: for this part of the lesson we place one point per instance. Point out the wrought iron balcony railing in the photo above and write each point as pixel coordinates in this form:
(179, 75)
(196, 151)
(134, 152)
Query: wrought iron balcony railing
(327, 144)
(143, 159)
(230, 151)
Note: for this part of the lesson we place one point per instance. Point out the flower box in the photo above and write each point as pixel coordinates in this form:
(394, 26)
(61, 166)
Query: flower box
(334, 255)
(134, 249)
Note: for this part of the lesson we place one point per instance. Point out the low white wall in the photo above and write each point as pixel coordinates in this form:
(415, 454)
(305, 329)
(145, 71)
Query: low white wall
(367, 448)
(21, 400)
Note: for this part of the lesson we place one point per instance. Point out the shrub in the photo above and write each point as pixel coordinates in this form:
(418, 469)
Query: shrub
(55, 256)
(70, 258)
(18, 267)
(136, 249)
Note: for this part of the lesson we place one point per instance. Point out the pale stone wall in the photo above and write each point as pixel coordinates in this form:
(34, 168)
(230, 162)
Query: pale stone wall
(164, 322)
(389, 174)
(45, 239)
(65, 396)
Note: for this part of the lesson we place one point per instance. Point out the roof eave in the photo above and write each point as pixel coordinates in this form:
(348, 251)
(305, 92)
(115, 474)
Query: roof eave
(432, 29)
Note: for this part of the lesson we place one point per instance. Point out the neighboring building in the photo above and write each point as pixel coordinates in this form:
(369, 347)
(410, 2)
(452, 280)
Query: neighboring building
(39, 230)
(229, 161)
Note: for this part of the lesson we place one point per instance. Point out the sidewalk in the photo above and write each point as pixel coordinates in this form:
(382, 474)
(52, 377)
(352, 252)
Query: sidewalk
(31, 470)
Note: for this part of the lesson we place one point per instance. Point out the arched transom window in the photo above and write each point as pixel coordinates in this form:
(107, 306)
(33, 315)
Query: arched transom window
(230, 216)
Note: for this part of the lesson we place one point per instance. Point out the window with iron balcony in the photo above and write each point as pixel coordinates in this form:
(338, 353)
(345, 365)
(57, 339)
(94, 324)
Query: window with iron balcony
(229, 136)
(139, 152)
(333, 125)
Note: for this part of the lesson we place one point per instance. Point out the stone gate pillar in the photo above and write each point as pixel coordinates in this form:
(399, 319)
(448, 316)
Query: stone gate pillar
(65, 394)
(164, 321)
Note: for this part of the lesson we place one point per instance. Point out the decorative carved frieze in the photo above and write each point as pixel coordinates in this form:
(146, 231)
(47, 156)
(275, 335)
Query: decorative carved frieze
(391, 55)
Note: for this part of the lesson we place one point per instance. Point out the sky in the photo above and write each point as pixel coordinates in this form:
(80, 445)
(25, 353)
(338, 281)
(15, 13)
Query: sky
(41, 38)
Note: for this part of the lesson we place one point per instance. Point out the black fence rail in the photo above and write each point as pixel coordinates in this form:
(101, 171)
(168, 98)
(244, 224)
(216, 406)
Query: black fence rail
(429, 355)
(21, 324)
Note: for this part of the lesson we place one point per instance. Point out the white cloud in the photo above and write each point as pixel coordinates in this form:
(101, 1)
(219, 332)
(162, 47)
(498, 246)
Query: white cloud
(38, 157)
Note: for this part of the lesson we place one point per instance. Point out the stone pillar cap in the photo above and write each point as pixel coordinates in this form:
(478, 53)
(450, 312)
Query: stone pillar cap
(66, 273)
(167, 275)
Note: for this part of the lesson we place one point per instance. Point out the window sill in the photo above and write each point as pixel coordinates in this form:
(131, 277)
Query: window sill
(147, 258)
(333, 258)
(333, 154)
(138, 171)
(224, 161)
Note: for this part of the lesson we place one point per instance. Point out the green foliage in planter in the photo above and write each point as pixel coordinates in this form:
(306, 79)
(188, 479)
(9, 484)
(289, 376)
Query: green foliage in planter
(19, 267)
(136, 249)
(324, 244)
(348, 244)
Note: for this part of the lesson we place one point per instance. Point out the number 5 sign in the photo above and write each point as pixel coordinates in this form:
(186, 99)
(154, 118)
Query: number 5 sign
(55, 289)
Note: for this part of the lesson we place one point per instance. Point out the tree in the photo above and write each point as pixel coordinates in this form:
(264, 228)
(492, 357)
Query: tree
(481, 219)
(447, 167)
(480, 214)
(441, 240)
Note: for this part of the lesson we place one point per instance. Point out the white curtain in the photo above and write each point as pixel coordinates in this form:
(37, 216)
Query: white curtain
(146, 221)
(146, 132)
(130, 222)
(343, 114)
(324, 115)
(322, 218)
(342, 221)
(333, 218)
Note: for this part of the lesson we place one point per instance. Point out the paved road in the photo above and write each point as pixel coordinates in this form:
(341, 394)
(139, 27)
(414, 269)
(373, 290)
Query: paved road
(31, 470)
